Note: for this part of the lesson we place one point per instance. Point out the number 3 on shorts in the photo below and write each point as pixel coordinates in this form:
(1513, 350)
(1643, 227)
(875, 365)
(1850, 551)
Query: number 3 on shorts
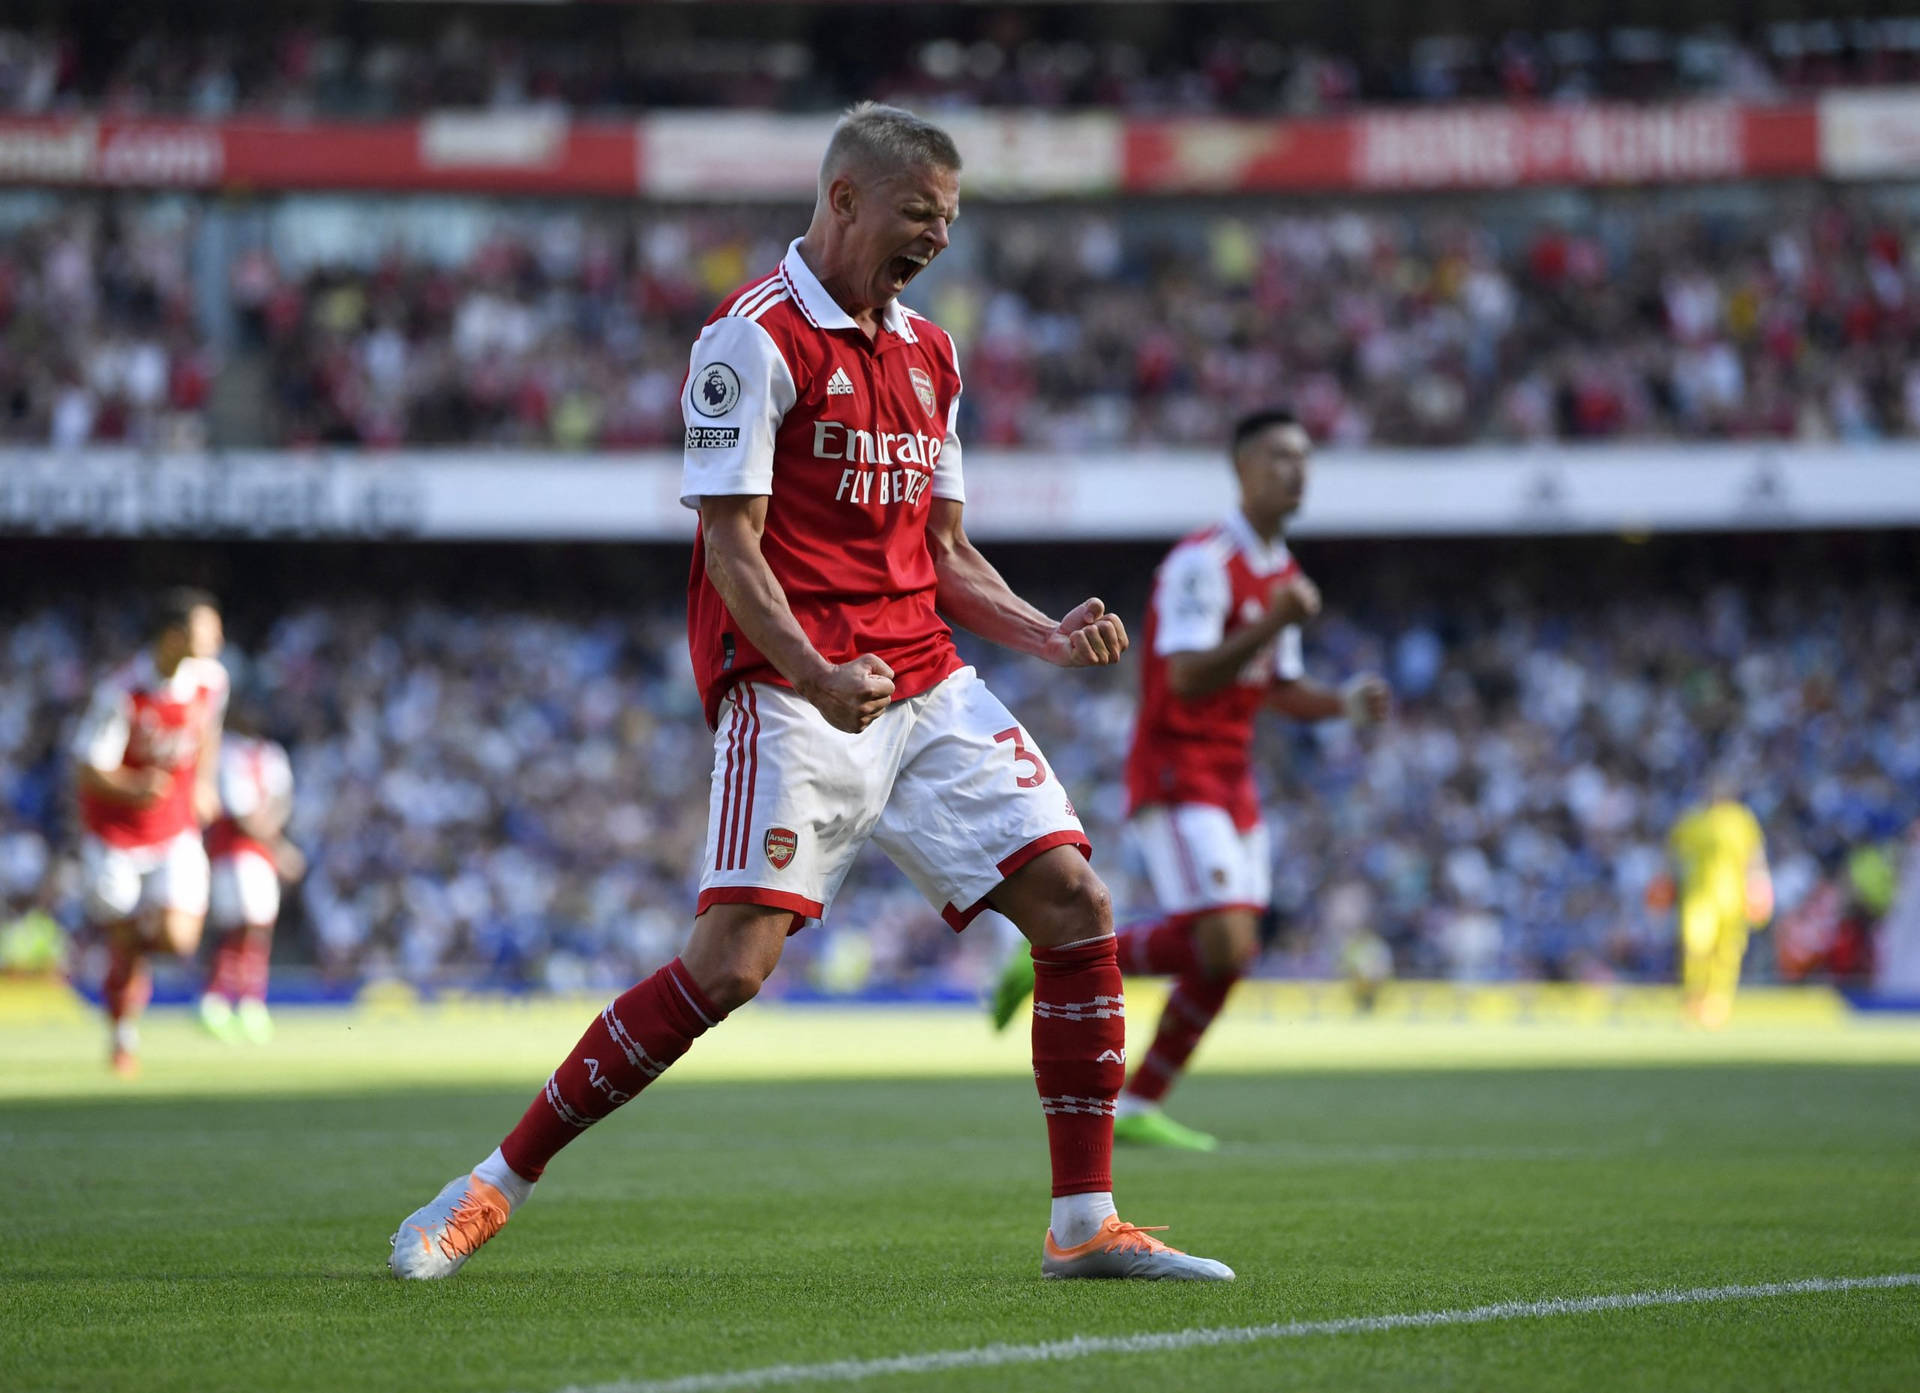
(1022, 755)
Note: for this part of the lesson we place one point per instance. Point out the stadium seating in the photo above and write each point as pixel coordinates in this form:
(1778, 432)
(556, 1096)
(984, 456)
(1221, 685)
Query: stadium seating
(516, 795)
(1253, 58)
(1687, 315)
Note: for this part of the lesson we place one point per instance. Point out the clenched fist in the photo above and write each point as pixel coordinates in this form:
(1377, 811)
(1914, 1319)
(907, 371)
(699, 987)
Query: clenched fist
(1367, 698)
(1088, 637)
(853, 694)
(1294, 603)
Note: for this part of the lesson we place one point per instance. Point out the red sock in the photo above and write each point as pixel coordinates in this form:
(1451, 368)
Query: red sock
(631, 1044)
(255, 955)
(129, 984)
(227, 974)
(1157, 947)
(1079, 1060)
(1196, 999)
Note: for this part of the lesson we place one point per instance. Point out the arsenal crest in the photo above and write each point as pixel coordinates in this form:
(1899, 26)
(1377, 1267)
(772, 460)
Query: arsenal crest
(780, 845)
(922, 388)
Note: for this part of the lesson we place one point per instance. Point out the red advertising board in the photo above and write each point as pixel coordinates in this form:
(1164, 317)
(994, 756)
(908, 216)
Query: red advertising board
(1012, 154)
(520, 153)
(1471, 147)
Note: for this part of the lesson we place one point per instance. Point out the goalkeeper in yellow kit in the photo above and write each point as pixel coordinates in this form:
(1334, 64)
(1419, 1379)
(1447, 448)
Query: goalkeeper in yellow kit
(1720, 866)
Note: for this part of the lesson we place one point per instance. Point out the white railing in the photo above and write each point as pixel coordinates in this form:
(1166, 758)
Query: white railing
(479, 495)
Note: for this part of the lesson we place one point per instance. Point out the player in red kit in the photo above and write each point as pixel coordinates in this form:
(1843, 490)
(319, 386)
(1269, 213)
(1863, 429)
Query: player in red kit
(146, 753)
(1222, 645)
(821, 454)
(250, 856)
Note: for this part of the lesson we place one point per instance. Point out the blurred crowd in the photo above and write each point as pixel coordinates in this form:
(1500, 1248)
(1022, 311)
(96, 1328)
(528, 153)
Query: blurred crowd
(1790, 313)
(517, 795)
(1249, 58)
(98, 340)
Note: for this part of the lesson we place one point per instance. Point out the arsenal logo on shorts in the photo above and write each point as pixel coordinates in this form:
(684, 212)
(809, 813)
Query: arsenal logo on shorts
(922, 388)
(780, 845)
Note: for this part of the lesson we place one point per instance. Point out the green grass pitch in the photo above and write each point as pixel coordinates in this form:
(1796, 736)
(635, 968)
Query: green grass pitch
(222, 1224)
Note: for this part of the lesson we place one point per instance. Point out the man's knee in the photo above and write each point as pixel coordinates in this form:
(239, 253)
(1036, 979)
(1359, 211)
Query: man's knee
(180, 932)
(733, 950)
(1056, 899)
(1227, 943)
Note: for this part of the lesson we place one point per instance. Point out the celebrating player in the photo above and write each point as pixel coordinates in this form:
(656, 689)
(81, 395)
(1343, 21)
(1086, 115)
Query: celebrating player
(250, 856)
(1223, 643)
(146, 753)
(822, 457)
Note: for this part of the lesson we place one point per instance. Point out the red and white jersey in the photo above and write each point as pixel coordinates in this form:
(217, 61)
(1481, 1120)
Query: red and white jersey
(850, 440)
(141, 720)
(1200, 749)
(254, 774)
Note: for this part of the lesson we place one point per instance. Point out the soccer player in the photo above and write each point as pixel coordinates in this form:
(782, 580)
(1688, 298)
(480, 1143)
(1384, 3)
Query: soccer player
(1720, 862)
(821, 455)
(1223, 644)
(146, 752)
(250, 856)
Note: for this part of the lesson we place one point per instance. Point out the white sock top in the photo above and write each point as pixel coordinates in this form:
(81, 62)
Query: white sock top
(504, 1178)
(1076, 1218)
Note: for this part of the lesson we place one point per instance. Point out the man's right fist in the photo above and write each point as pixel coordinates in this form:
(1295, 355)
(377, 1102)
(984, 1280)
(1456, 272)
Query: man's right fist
(852, 695)
(147, 786)
(1295, 602)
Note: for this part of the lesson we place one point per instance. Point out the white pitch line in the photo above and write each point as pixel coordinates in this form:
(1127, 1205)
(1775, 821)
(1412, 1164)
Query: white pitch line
(1081, 1346)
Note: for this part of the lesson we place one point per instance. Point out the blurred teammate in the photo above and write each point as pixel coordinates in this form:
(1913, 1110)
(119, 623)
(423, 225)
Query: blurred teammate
(250, 856)
(146, 753)
(1222, 644)
(1723, 890)
(821, 454)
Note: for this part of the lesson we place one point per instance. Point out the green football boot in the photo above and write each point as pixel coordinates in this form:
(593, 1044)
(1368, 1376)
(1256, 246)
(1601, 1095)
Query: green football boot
(254, 1020)
(217, 1018)
(1155, 1128)
(1014, 987)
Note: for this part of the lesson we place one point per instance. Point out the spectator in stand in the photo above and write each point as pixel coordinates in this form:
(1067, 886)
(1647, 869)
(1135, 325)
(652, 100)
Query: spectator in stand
(1251, 58)
(512, 796)
(1081, 327)
(97, 341)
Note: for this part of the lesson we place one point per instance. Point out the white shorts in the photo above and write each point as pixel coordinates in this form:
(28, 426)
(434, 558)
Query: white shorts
(123, 880)
(246, 891)
(1198, 860)
(947, 783)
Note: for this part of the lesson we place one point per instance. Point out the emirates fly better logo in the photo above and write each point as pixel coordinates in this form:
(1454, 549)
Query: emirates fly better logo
(780, 844)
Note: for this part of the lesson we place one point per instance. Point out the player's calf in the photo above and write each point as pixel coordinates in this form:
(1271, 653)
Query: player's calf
(127, 987)
(630, 1044)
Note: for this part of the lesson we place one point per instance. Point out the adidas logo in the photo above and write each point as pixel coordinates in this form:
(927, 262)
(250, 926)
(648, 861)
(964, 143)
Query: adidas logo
(839, 385)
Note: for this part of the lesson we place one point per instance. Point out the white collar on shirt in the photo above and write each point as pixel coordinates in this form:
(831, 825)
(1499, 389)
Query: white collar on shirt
(823, 310)
(1265, 558)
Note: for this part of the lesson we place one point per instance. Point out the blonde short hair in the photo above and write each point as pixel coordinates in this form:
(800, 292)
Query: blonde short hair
(873, 137)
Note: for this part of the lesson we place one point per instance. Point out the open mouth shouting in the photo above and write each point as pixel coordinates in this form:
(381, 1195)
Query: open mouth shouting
(904, 268)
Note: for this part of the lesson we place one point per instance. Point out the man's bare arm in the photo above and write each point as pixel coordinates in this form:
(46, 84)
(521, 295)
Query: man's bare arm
(139, 788)
(1364, 700)
(976, 597)
(850, 695)
(206, 776)
(1205, 671)
(268, 821)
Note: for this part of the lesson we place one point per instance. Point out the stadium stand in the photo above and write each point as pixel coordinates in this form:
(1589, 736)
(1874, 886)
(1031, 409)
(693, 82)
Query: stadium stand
(1246, 58)
(1502, 236)
(508, 788)
(1684, 315)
